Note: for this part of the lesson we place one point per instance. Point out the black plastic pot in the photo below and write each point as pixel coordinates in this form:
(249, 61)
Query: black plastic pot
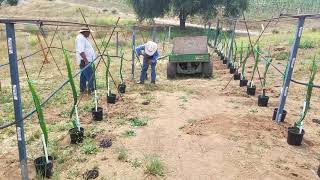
(283, 117)
(294, 138)
(236, 76)
(224, 61)
(43, 168)
(251, 91)
(232, 70)
(97, 115)
(243, 82)
(263, 101)
(112, 98)
(76, 136)
(122, 88)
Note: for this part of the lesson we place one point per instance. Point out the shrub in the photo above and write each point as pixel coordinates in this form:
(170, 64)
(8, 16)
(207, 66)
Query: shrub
(12, 2)
(114, 11)
(275, 31)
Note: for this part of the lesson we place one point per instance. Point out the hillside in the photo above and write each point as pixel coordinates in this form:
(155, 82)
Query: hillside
(67, 9)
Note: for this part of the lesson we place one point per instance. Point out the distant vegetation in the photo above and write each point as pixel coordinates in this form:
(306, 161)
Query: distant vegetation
(207, 9)
(10, 2)
(269, 8)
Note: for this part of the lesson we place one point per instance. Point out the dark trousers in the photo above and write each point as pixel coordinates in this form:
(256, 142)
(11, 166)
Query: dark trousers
(86, 78)
(144, 71)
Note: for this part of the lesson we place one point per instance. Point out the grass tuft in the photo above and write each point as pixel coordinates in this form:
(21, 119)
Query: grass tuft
(89, 148)
(154, 166)
(138, 122)
(129, 133)
(122, 154)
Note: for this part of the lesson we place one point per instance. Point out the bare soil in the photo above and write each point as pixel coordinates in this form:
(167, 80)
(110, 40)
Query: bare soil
(199, 132)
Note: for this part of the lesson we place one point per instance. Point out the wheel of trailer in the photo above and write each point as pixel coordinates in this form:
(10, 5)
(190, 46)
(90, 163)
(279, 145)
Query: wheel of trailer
(207, 69)
(171, 70)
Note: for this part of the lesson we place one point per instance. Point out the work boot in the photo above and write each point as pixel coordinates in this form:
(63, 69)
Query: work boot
(153, 82)
(140, 82)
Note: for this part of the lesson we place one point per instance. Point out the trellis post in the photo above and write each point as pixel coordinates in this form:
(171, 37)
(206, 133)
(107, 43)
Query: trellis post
(230, 52)
(154, 33)
(14, 72)
(217, 33)
(289, 71)
(133, 50)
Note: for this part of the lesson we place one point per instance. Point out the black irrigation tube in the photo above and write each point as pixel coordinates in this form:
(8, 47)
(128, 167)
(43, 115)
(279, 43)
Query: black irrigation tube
(50, 96)
(35, 53)
(282, 16)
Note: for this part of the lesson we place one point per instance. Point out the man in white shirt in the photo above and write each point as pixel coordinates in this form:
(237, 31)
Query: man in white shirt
(85, 54)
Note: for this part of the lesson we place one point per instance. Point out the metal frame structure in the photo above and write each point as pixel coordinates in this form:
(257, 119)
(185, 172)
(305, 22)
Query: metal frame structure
(16, 93)
(291, 63)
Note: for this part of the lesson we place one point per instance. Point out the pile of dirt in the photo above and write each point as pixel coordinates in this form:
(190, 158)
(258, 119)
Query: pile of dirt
(249, 125)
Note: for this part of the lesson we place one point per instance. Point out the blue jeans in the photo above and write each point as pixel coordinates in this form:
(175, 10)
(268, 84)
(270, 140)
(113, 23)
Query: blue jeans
(86, 76)
(144, 70)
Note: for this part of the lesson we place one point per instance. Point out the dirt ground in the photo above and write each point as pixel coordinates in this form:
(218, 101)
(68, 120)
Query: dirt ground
(199, 132)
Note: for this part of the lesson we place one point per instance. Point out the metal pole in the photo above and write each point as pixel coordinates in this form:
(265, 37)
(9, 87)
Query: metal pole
(231, 44)
(217, 33)
(12, 52)
(117, 43)
(169, 33)
(154, 33)
(291, 62)
(133, 50)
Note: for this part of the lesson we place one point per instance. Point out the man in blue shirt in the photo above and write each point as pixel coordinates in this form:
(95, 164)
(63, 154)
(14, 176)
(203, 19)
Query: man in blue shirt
(150, 56)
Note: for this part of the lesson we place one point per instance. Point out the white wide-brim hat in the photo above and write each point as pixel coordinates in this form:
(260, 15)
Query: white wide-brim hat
(85, 30)
(150, 48)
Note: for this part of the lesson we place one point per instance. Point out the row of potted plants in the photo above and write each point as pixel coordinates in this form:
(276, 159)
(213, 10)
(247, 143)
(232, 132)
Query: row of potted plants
(295, 133)
(44, 164)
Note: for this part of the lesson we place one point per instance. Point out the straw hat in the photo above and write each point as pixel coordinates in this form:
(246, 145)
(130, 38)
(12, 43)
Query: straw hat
(151, 48)
(85, 30)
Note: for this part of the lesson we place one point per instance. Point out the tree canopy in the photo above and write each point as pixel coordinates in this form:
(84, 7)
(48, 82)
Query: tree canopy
(207, 9)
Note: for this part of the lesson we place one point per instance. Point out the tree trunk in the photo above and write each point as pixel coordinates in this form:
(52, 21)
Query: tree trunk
(182, 23)
(183, 18)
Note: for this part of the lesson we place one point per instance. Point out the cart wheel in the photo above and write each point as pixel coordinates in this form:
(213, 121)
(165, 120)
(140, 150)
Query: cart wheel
(171, 70)
(207, 69)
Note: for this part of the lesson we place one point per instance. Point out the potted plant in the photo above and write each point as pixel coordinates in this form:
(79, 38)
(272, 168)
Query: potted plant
(243, 62)
(295, 133)
(111, 98)
(232, 65)
(97, 112)
(43, 164)
(251, 88)
(236, 63)
(225, 47)
(263, 99)
(76, 133)
(122, 86)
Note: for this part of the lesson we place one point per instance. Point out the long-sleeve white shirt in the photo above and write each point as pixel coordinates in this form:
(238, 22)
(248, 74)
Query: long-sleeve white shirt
(84, 45)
